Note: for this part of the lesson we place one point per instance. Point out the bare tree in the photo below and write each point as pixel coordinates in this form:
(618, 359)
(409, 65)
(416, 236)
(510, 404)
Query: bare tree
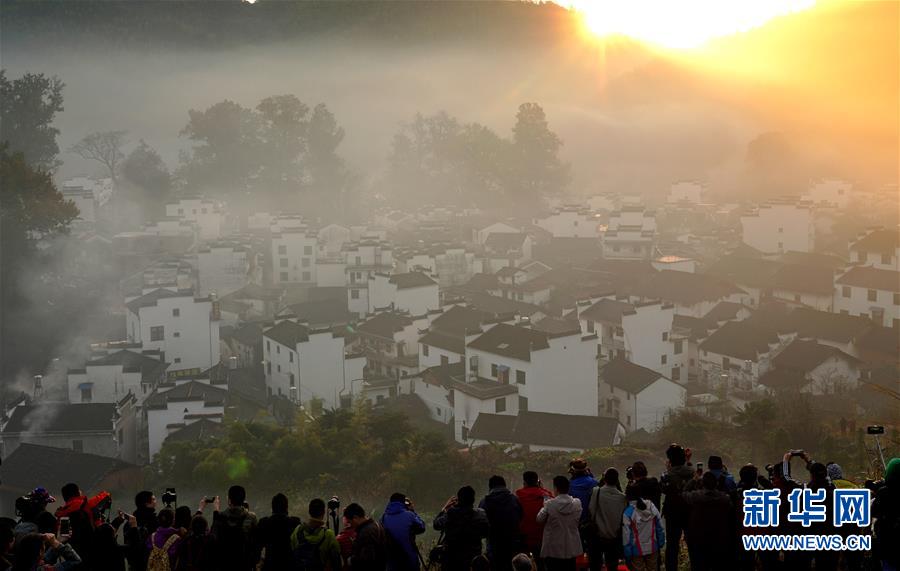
(105, 148)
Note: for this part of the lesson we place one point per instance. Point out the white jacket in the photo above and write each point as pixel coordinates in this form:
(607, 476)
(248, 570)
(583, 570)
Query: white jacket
(560, 517)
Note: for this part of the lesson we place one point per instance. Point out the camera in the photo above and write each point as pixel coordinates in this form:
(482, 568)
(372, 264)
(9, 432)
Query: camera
(629, 473)
(27, 506)
(209, 499)
(334, 504)
(875, 430)
(798, 452)
(170, 497)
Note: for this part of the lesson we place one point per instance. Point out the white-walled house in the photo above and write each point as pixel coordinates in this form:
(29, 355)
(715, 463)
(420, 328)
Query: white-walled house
(208, 215)
(869, 292)
(390, 340)
(445, 341)
(630, 235)
(173, 407)
(638, 332)
(108, 378)
(502, 249)
(224, 266)
(332, 238)
(780, 226)
(481, 235)
(413, 292)
(82, 427)
(736, 355)
(686, 192)
(675, 264)
(692, 294)
(303, 364)
(184, 328)
(878, 248)
(813, 368)
(90, 196)
(638, 397)
(294, 256)
(448, 264)
(831, 192)
(546, 432)
(363, 259)
(570, 222)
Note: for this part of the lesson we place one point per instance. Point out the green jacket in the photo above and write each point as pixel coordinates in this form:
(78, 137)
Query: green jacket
(315, 532)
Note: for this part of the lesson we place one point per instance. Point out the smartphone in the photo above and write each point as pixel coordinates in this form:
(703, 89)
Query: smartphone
(875, 429)
(699, 466)
(797, 452)
(65, 528)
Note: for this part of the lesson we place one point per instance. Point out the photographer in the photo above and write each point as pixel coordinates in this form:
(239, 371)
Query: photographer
(235, 532)
(710, 526)
(138, 528)
(532, 496)
(370, 547)
(886, 512)
(274, 535)
(504, 514)
(44, 552)
(84, 514)
(644, 487)
(464, 527)
(313, 545)
(33, 514)
(678, 475)
(750, 479)
(402, 524)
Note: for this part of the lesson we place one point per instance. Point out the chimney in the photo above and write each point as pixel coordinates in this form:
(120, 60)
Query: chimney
(38, 387)
(232, 363)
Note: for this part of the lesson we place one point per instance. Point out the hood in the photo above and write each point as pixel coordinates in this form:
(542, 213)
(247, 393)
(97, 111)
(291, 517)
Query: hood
(642, 515)
(394, 508)
(608, 491)
(892, 473)
(565, 504)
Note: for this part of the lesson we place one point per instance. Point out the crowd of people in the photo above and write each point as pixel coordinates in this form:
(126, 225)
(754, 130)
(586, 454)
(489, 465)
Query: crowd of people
(580, 521)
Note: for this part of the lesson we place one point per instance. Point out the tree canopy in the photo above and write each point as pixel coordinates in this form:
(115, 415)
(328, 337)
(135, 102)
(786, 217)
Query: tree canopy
(28, 106)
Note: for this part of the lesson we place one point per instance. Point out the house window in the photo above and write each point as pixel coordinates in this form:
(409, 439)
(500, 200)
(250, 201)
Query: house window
(897, 299)
(176, 334)
(181, 211)
(78, 445)
(358, 260)
(291, 356)
(177, 359)
(797, 297)
(845, 291)
(307, 276)
(268, 346)
(520, 377)
(282, 249)
(425, 350)
(523, 404)
(726, 363)
(157, 333)
(781, 229)
(609, 404)
(665, 336)
(663, 359)
(872, 295)
(445, 360)
(283, 262)
(692, 362)
(676, 373)
(500, 405)
(494, 370)
(278, 367)
(885, 258)
(176, 312)
(628, 420)
(304, 262)
(269, 367)
(781, 245)
(283, 276)
(354, 294)
(896, 323)
(590, 326)
(278, 349)
(679, 347)
(291, 380)
(845, 312)
(202, 211)
(87, 394)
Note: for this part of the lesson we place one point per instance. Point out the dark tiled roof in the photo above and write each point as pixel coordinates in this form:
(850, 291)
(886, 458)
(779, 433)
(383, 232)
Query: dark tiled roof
(556, 325)
(509, 271)
(871, 278)
(511, 341)
(813, 259)
(384, 324)
(198, 430)
(445, 375)
(809, 323)
(502, 242)
(608, 310)
(879, 241)
(151, 369)
(152, 297)
(685, 288)
(248, 333)
(288, 333)
(254, 291)
(784, 379)
(740, 339)
(546, 429)
(752, 272)
(249, 383)
(57, 417)
(31, 465)
(497, 306)
(574, 251)
(628, 376)
(189, 391)
(723, 311)
(459, 319)
(880, 345)
(807, 279)
(411, 280)
(698, 328)
(807, 355)
(325, 312)
(482, 388)
(455, 343)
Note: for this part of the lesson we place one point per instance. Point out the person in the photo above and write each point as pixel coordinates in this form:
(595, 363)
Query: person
(370, 547)
(716, 467)
(674, 509)
(313, 545)
(642, 532)
(402, 524)
(463, 526)
(44, 552)
(818, 480)
(606, 506)
(646, 487)
(165, 539)
(750, 479)
(274, 535)
(709, 527)
(138, 528)
(532, 496)
(234, 531)
(480, 563)
(7, 542)
(836, 474)
(561, 517)
(197, 550)
(523, 562)
(84, 514)
(581, 484)
(345, 541)
(886, 513)
(108, 554)
(183, 516)
(34, 517)
(504, 514)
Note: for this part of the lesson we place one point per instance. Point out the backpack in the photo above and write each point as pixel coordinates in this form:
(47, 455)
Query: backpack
(307, 556)
(159, 556)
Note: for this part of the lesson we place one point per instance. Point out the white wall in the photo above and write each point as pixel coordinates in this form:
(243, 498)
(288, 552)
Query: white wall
(685, 192)
(159, 418)
(110, 384)
(496, 228)
(206, 214)
(570, 224)
(294, 257)
(330, 273)
(222, 269)
(858, 303)
(778, 228)
(197, 340)
(643, 333)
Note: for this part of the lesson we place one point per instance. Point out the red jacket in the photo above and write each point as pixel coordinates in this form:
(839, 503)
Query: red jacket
(83, 503)
(532, 499)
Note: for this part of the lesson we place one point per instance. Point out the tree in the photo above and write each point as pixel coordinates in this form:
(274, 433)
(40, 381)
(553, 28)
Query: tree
(105, 148)
(148, 177)
(28, 106)
(283, 127)
(30, 209)
(535, 167)
(328, 175)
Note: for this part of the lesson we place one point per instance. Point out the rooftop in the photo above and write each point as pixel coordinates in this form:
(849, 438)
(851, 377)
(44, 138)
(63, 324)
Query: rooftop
(150, 368)
(685, 288)
(411, 280)
(807, 355)
(151, 298)
(58, 417)
(740, 339)
(607, 310)
(629, 377)
(288, 333)
(189, 391)
(385, 324)
(886, 241)
(546, 429)
(56, 467)
(871, 278)
(512, 341)
(504, 242)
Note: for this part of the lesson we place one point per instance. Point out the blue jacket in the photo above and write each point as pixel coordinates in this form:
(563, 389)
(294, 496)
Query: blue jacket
(642, 531)
(730, 485)
(581, 487)
(402, 525)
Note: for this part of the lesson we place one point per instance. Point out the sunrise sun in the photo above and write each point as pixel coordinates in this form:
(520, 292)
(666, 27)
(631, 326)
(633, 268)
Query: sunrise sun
(680, 25)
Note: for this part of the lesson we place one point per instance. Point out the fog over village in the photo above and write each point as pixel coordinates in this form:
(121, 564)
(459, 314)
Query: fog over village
(352, 248)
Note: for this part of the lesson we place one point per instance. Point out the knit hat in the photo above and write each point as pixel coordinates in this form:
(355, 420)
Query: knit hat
(578, 465)
(42, 494)
(835, 472)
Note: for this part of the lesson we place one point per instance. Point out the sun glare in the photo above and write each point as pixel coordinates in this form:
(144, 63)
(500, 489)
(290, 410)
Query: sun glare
(683, 24)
